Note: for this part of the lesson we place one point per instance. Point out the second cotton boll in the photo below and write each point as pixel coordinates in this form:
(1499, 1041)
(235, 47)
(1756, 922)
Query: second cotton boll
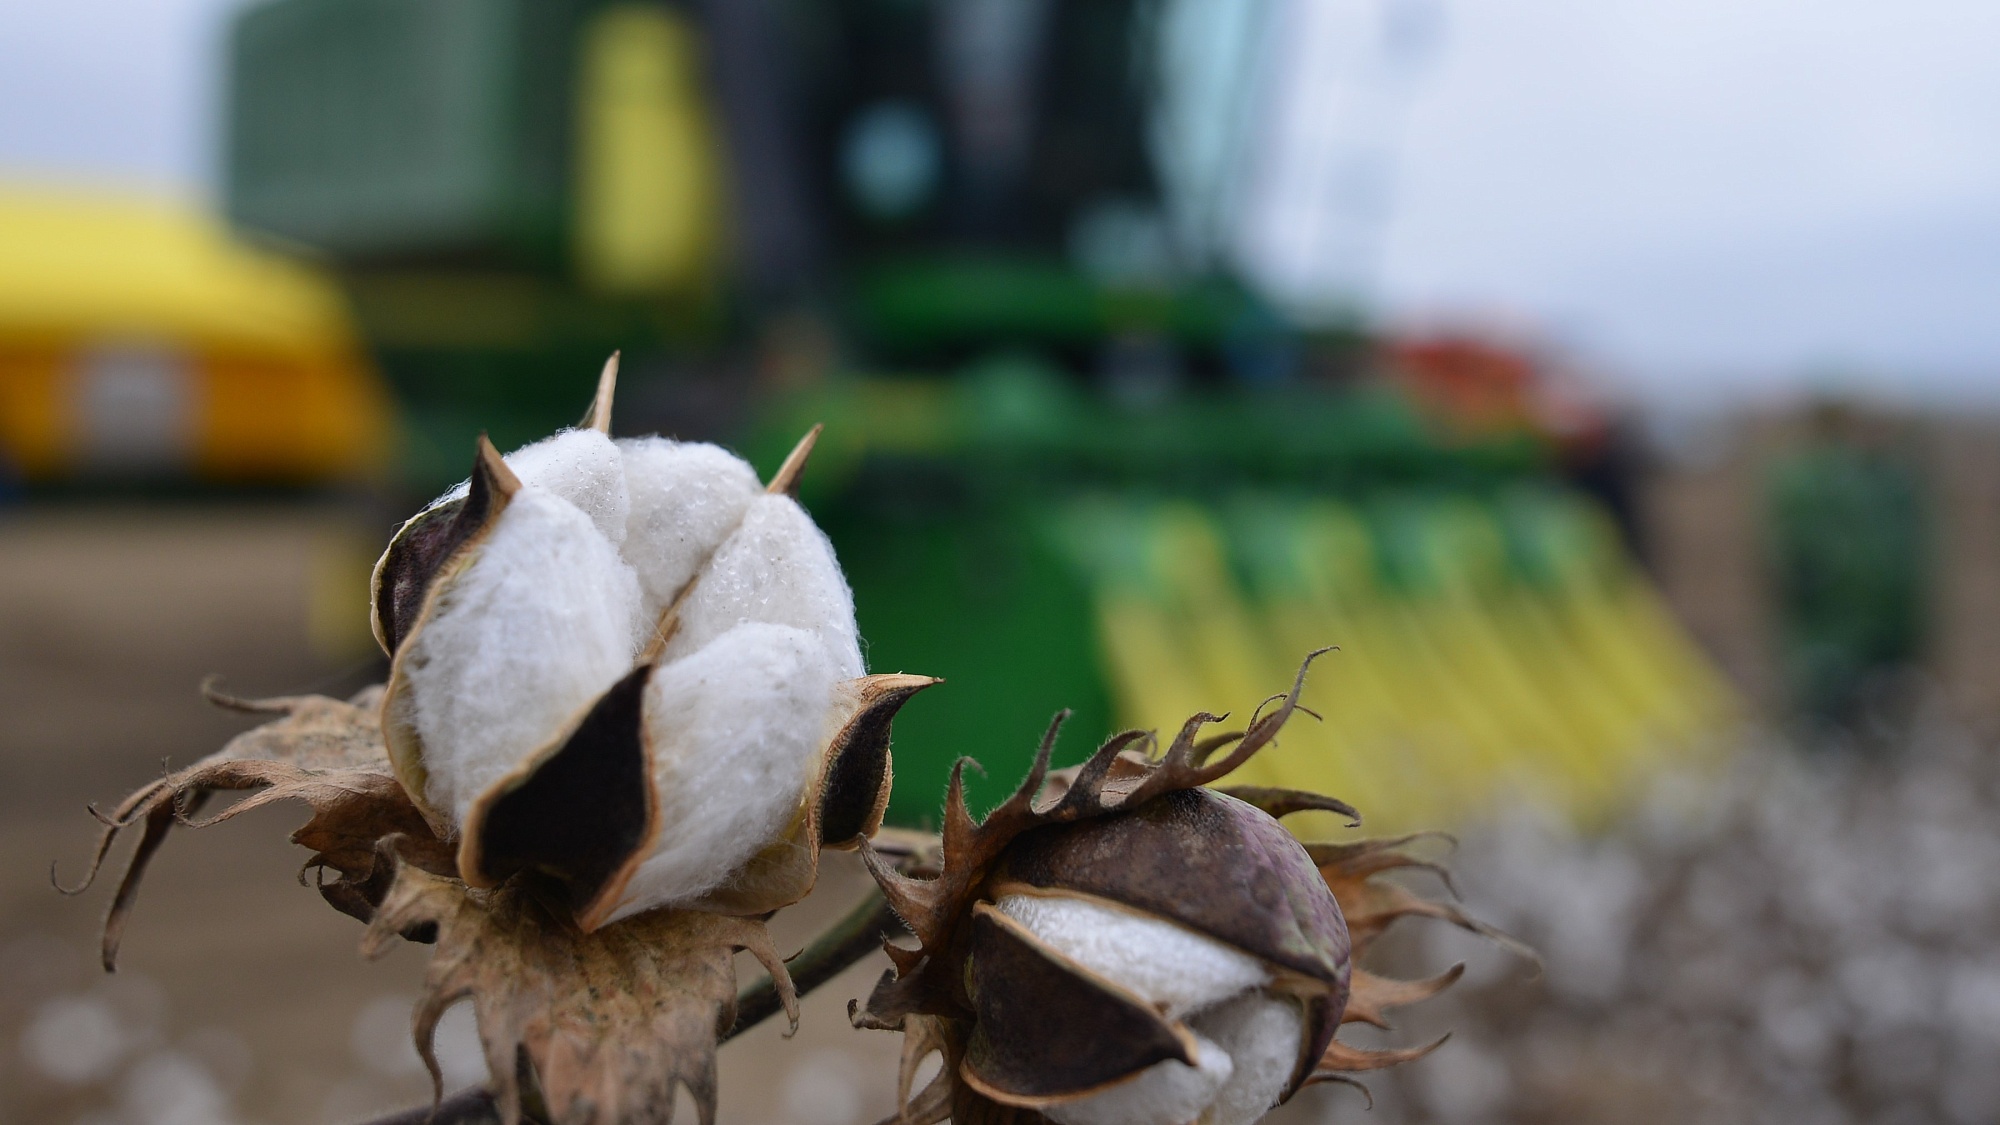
(1247, 1040)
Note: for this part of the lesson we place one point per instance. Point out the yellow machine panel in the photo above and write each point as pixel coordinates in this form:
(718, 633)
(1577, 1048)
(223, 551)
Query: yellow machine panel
(138, 337)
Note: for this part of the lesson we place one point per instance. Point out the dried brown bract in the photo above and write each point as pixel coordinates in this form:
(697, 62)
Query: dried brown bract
(325, 752)
(610, 1021)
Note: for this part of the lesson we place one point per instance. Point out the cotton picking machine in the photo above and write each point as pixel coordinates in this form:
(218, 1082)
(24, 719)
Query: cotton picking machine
(1079, 452)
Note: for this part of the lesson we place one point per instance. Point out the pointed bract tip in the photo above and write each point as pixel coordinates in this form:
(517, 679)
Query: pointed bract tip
(786, 480)
(883, 685)
(490, 469)
(1343, 1080)
(599, 416)
(211, 690)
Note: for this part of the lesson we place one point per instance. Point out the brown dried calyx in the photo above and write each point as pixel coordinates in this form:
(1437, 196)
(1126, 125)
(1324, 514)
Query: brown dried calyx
(1117, 942)
(612, 1021)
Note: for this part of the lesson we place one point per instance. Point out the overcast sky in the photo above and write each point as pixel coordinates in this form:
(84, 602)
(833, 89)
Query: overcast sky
(1705, 195)
(116, 90)
(1716, 190)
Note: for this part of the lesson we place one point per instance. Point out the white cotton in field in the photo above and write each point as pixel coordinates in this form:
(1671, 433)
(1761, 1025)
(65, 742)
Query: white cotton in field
(736, 730)
(1170, 966)
(1263, 1035)
(581, 466)
(686, 498)
(777, 568)
(1163, 1094)
(541, 620)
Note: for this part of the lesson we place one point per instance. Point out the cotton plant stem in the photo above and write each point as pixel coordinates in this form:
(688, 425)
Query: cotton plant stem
(857, 934)
(472, 1106)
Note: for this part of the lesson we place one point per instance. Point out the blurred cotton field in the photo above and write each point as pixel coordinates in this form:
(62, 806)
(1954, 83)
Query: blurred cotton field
(1813, 937)
(116, 1046)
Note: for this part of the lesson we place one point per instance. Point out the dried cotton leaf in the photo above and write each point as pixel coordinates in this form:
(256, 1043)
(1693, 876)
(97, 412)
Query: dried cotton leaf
(325, 752)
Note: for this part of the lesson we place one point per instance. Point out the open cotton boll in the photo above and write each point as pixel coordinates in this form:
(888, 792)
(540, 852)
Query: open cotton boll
(1167, 1093)
(1263, 1035)
(581, 466)
(736, 730)
(1248, 1041)
(1170, 966)
(536, 625)
(777, 568)
(686, 497)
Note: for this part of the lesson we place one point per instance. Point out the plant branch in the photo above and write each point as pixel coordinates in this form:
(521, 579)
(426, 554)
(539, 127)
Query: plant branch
(471, 1106)
(856, 935)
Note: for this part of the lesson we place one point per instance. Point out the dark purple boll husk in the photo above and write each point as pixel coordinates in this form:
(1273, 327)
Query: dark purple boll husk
(1218, 866)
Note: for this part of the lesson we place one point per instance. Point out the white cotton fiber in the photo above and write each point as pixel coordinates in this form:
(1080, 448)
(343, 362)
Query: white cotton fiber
(1168, 1093)
(582, 467)
(1263, 1035)
(686, 498)
(1172, 967)
(538, 624)
(736, 729)
(776, 568)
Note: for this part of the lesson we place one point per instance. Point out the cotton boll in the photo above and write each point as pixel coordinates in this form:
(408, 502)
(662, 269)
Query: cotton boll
(686, 497)
(736, 731)
(1166, 1093)
(1249, 1041)
(1170, 966)
(581, 466)
(776, 568)
(1263, 1035)
(541, 620)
